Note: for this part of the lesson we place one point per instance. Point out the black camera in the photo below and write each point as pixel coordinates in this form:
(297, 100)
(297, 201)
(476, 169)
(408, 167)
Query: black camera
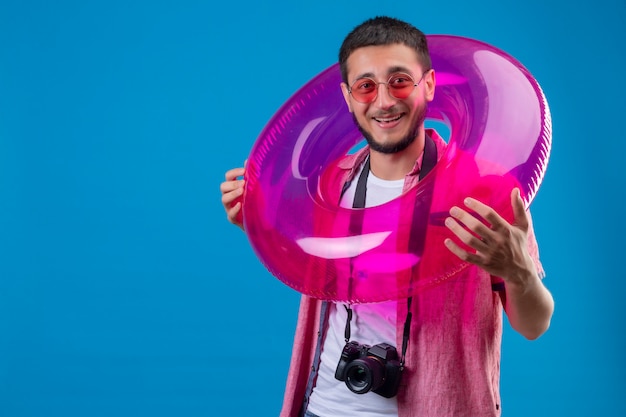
(365, 368)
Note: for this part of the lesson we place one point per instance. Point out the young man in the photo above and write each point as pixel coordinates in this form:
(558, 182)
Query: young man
(452, 358)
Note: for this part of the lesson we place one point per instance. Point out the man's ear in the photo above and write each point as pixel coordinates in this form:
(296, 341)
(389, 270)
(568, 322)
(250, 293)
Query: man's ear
(429, 85)
(346, 95)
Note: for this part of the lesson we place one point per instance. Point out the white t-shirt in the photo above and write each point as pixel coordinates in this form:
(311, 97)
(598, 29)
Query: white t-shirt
(371, 324)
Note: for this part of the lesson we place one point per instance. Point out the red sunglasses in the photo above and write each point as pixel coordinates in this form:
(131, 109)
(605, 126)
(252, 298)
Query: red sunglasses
(399, 85)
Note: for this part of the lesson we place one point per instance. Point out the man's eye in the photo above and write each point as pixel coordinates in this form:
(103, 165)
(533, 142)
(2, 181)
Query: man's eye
(365, 85)
(400, 81)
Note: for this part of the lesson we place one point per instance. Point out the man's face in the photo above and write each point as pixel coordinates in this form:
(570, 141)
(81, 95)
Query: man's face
(389, 124)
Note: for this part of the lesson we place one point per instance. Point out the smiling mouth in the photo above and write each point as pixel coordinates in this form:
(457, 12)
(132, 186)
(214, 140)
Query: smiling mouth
(387, 119)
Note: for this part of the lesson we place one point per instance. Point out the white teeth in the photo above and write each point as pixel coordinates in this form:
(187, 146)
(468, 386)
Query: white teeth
(388, 120)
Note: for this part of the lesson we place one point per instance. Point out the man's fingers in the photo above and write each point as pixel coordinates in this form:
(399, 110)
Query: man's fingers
(232, 174)
(228, 186)
(519, 211)
(232, 213)
(489, 214)
(230, 192)
(461, 253)
(470, 221)
(473, 240)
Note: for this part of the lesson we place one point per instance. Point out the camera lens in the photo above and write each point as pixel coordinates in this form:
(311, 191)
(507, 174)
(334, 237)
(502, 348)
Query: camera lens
(358, 379)
(363, 375)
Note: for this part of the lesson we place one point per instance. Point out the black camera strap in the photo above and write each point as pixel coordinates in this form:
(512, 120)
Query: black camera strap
(428, 163)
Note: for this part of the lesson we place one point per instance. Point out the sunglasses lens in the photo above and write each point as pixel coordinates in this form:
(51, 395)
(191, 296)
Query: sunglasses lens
(400, 86)
(364, 90)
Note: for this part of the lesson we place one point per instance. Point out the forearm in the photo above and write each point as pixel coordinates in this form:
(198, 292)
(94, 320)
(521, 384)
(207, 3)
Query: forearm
(529, 307)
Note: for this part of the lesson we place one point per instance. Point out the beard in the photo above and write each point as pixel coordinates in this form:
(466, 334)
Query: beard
(399, 146)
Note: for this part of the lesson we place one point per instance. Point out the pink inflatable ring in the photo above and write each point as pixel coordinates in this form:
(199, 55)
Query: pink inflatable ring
(500, 138)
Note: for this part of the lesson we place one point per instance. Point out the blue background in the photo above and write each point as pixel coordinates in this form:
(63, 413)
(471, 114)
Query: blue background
(123, 289)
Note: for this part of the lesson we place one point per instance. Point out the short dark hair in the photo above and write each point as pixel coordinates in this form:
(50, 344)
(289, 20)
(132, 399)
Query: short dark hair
(383, 30)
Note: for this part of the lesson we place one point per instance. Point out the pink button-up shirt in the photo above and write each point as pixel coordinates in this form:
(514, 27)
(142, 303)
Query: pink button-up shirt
(453, 356)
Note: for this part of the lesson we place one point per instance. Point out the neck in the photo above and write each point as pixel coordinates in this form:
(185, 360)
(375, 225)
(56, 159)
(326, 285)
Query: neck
(396, 166)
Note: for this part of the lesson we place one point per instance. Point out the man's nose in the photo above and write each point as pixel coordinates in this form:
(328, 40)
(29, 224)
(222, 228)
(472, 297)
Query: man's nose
(384, 97)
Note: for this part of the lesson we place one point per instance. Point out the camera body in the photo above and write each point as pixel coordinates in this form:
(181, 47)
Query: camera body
(370, 368)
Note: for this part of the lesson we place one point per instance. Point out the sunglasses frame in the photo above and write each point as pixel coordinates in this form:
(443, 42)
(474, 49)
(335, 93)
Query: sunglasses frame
(389, 89)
